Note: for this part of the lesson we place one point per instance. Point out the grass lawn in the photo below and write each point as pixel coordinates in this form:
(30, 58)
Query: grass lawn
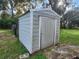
(69, 36)
(11, 48)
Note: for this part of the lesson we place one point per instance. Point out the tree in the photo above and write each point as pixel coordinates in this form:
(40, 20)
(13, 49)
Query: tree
(14, 6)
(20, 6)
(59, 5)
(23, 5)
(71, 18)
(1, 4)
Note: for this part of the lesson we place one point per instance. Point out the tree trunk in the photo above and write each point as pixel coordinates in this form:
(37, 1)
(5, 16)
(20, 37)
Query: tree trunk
(11, 8)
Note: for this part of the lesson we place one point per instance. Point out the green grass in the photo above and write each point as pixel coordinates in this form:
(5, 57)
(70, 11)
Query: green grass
(38, 55)
(69, 36)
(11, 48)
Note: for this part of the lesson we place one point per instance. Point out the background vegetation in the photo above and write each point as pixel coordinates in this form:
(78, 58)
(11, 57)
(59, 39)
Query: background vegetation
(6, 23)
(10, 10)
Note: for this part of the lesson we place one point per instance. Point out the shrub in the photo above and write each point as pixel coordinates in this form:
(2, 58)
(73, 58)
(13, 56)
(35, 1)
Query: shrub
(7, 23)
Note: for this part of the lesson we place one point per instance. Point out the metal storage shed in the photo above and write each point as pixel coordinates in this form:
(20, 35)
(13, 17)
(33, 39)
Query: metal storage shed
(39, 29)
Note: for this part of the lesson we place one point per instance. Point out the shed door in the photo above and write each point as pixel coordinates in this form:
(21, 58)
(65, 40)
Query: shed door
(47, 32)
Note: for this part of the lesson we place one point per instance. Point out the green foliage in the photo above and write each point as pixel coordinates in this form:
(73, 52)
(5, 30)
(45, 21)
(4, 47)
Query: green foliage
(7, 23)
(70, 19)
(4, 15)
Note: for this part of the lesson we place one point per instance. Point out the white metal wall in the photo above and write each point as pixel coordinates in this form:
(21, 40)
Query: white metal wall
(25, 32)
(36, 34)
(47, 32)
(35, 44)
(57, 30)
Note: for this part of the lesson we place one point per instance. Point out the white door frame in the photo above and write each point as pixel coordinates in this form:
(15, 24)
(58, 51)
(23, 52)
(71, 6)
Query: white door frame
(39, 31)
(40, 34)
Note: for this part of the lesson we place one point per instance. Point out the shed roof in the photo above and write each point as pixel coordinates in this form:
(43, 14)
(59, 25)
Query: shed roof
(46, 11)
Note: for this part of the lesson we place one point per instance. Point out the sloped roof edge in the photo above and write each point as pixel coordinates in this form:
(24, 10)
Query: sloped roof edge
(32, 10)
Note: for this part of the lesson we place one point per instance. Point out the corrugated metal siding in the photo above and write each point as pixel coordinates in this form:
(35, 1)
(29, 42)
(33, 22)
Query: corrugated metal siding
(57, 30)
(25, 31)
(35, 34)
(51, 38)
(29, 29)
(47, 31)
(47, 13)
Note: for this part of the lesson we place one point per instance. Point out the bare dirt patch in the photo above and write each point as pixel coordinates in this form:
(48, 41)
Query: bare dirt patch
(62, 52)
(5, 35)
